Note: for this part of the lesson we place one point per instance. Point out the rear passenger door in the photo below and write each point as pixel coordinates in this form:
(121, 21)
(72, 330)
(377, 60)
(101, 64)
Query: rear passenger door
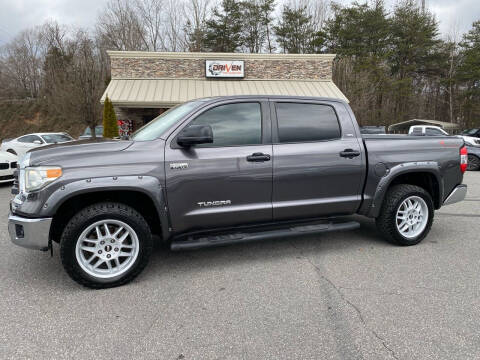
(318, 164)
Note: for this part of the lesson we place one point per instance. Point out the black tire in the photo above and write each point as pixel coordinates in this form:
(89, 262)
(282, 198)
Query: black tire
(386, 222)
(473, 163)
(97, 212)
(11, 151)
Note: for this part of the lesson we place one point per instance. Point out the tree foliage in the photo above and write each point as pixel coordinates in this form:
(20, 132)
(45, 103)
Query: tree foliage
(294, 30)
(110, 125)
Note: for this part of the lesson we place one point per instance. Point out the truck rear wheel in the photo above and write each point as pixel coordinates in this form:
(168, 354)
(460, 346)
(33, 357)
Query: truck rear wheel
(406, 215)
(105, 245)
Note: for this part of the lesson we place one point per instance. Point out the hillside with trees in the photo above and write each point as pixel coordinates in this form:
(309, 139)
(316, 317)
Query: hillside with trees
(392, 63)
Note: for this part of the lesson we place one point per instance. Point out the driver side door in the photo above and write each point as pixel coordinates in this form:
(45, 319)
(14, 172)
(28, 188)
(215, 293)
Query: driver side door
(227, 182)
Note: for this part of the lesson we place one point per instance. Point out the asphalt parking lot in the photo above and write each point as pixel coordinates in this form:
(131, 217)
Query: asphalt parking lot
(335, 296)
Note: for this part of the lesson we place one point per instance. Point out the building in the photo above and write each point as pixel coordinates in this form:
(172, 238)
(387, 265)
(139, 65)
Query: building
(145, 84)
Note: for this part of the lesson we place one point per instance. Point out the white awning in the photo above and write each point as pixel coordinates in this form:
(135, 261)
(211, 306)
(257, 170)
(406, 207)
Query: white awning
(170, 92)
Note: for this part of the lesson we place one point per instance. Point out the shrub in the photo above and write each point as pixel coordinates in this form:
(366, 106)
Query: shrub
(110, 125)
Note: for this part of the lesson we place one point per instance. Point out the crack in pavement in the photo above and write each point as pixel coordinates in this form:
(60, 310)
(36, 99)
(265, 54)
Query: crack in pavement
(400, 292)
(348, 302)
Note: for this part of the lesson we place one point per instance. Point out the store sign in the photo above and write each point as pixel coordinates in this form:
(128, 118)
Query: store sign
(224, 69)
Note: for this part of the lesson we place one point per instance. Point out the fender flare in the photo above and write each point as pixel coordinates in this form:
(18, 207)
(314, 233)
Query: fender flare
(431, 167)
(147, 185)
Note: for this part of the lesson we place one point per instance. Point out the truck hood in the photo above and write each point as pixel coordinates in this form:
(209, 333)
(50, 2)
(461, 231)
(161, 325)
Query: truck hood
(68, 152)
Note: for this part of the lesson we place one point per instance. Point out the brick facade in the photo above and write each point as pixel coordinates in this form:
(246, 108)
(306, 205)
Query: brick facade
(151, 65)
(188, 68)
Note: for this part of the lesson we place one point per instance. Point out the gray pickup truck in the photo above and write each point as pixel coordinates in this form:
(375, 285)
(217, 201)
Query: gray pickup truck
(227, 170)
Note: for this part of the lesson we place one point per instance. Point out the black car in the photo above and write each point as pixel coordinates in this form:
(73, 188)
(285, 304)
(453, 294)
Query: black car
(473, 158)
(471, 132)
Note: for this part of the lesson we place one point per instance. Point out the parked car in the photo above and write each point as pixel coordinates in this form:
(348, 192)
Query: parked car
(87, 134)
(473, 158)
(227, 170)
(8, 164)
(373, 130)
(22, 144)
(471, 137)
(471, 133)
(426, 130)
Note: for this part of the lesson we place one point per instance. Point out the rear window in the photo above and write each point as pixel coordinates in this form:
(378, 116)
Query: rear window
(299, 122)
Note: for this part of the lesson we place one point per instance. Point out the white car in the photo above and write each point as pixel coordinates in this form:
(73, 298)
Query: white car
(22, 144)
(8, 164)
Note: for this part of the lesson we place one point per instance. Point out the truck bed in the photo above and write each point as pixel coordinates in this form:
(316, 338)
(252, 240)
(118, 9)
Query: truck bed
(386, 153)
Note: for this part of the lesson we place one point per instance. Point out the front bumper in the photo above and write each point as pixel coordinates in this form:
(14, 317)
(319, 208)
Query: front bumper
(29, 233)
(458, 194)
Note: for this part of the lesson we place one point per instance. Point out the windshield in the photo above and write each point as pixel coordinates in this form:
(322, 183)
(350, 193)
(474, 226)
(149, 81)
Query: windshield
(155, 128)
(470, 131)
(56, 138)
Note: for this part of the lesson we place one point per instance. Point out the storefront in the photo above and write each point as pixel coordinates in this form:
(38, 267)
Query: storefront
(145, 84)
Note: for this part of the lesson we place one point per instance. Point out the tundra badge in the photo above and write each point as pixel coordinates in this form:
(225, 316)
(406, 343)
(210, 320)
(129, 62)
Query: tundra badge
(178, 166)
(214, 203)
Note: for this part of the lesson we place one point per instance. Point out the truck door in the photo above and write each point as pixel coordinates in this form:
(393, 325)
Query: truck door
(228, 182)
(319, 167)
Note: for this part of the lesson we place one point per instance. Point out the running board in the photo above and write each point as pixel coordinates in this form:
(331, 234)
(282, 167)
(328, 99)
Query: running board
(192, 243)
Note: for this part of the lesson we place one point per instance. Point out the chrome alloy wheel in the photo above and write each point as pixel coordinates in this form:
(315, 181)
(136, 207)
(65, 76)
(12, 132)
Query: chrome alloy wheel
(412, 217)
(107, 248)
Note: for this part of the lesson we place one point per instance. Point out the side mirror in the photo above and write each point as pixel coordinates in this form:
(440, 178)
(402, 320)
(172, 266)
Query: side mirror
(195, 134)
(38, 142)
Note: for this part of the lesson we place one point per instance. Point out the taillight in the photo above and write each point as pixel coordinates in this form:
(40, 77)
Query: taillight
(463, 159)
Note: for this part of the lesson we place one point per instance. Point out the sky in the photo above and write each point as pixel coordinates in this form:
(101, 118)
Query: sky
(16, 15)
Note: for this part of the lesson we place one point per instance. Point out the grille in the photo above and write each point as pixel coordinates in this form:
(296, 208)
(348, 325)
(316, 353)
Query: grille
(4, 166)
(13, 165)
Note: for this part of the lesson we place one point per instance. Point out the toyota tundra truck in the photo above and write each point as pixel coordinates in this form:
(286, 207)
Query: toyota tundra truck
(226, 170)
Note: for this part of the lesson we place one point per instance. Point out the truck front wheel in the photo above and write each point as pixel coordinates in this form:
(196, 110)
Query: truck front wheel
(406, 215)
(105, 245)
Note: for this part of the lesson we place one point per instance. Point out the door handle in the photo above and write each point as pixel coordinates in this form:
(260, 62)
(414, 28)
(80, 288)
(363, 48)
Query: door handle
(258, 157)
(349, 153)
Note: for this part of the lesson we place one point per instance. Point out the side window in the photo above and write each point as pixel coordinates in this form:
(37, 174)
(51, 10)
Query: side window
(433, 132)
(306, 122)
(233, 124)
(27, 139)
(417, 131)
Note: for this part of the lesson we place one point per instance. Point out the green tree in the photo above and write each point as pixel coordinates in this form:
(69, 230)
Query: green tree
(295, 31)
(224, 28)
(253, 34)
(414, 45)
(361, 31)
(257, 23)
(110, 125)
(359, 34)
(266, 8)
(469, 75)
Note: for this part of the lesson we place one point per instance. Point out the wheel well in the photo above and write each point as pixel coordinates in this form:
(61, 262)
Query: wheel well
(135, 199)
(425, 180)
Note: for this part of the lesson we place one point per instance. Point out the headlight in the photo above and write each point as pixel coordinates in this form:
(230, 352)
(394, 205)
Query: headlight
(38, 177)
